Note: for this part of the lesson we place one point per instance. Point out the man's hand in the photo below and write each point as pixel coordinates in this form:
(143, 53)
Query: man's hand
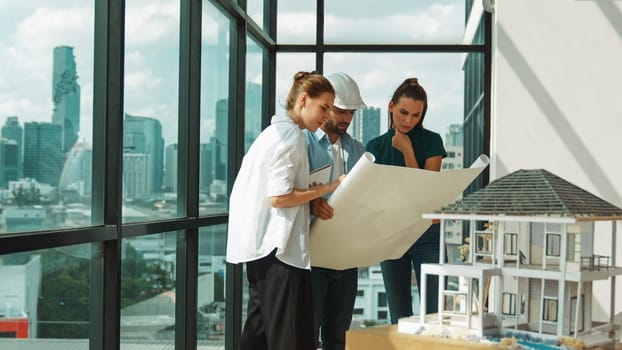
(321, 209)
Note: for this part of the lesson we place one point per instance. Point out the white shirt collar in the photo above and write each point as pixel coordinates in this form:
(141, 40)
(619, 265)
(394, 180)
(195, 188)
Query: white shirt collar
(319, 134)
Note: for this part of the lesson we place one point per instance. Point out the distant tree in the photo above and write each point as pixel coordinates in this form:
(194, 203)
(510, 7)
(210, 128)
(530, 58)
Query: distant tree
(63, 308)
(160, 280)
(139, 280)
(27, 196)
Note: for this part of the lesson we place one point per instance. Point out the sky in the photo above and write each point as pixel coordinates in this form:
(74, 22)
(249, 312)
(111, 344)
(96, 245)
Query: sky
(31, 29)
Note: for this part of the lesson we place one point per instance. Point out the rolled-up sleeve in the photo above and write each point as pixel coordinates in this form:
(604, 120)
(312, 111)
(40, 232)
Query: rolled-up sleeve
(282, 169)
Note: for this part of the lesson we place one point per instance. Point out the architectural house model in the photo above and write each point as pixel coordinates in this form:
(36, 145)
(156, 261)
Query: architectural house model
(531, 265)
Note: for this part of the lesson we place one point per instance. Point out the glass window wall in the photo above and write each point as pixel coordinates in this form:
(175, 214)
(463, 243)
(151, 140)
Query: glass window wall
(254, 8)
(46, 295)
(296, 22)
(46, 115)
(253, 88)
(379, 74)
(397, 22)
(287, 64)
(213, 160)
(84, 235)
(150, 110)
(148, 290)
(211, 287)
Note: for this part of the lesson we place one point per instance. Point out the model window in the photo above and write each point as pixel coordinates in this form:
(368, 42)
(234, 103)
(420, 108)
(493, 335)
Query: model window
(553, 242)
(460, 304)
(382, 315)
(511, 244)
(454, 303)
(360, 293)
(453, 283)
(550, 310)
(484, 242)
(357, 311)
(508, 304)
(448, 302)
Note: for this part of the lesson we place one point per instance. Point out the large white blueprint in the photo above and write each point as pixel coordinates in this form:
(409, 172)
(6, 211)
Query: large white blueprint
(378, 211)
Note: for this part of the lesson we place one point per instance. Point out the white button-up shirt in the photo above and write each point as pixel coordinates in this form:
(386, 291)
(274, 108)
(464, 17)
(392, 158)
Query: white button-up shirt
(275, 164)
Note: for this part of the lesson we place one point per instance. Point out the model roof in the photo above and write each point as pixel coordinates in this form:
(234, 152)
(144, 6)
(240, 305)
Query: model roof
(535, 192)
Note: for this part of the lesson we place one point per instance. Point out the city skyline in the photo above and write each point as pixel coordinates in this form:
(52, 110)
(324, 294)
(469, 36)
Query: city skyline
(41, 59)
(151, 56)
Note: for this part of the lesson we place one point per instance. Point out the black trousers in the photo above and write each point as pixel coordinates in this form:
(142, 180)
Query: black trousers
(280, 307)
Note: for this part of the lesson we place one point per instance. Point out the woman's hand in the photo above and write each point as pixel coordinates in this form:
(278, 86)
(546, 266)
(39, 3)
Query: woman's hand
(335, 183)
(401, 142)
(299, 196)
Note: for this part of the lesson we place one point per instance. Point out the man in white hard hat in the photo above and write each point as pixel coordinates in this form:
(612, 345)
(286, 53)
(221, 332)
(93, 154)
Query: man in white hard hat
(334, 291)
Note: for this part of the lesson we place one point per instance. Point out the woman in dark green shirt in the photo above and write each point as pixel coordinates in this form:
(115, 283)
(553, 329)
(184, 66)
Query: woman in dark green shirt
(408, 143)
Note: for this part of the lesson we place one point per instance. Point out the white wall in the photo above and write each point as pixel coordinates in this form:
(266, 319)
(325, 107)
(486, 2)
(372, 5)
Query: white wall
(557, 99)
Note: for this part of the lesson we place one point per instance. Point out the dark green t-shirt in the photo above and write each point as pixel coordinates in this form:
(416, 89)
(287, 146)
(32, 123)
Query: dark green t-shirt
(425, 143)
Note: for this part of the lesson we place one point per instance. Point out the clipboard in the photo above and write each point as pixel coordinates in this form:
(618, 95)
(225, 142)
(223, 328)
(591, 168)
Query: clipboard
(320, 175)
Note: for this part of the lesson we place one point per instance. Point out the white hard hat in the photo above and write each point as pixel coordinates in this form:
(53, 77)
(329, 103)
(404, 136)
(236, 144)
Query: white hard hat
(347, 95)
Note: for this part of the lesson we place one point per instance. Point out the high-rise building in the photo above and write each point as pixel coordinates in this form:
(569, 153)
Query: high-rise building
(356, 127)
(206, 171)
(43, 152)
(216, 162)
(475, 122)
(222, 126)
(143, 135)
(11, 130)
(136, 175)
(371, 297)
(454, 147)
(207, 168)
(219, 141)
(252, 114)
(170, 168)
(454, 136)
(9, 158)
(365, 124)
(77, 172)
(66, 95)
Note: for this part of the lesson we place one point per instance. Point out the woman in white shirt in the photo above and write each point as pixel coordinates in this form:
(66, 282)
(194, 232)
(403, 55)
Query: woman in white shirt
(269, 221)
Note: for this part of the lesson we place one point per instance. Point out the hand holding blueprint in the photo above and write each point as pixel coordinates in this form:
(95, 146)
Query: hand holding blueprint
(378, 211)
